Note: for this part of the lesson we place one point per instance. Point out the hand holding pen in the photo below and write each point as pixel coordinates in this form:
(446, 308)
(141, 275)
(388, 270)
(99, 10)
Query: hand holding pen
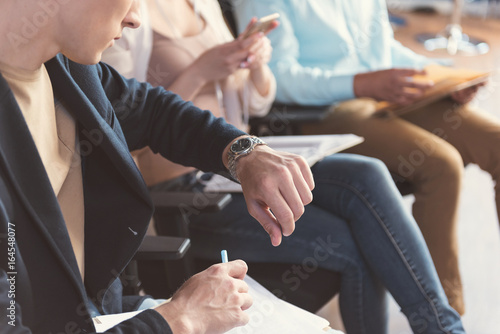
(212, 301)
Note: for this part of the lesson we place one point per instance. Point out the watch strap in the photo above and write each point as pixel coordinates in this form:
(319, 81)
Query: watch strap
(233, 158)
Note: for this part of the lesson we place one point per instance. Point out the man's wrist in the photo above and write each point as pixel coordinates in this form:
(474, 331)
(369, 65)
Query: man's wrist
(177, 320)
(225, 153)
(358, 85)
(239, 148)
(261, 78)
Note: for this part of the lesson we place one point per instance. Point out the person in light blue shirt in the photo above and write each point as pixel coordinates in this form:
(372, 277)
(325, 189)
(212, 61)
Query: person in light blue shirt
(321, 45)
(343, 53)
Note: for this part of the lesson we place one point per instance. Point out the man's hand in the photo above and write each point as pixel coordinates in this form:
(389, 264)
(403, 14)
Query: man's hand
(394, 85)
(210, 302)
(466, 95)
(276, 186)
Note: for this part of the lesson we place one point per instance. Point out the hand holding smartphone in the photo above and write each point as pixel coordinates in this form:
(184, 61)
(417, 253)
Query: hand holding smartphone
(262, 25)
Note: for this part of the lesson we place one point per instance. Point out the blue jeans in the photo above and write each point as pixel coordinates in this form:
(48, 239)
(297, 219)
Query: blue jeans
(357, 225)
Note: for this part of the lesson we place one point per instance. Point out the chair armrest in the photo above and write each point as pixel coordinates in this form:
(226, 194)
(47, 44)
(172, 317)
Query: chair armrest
(285, 119)
(296, 113)
(172, 209)
(204, 202)
(162, 248)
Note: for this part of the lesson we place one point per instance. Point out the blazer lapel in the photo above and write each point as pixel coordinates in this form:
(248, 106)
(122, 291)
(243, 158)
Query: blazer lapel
(22, 164)
(124, 218)
(93, 110)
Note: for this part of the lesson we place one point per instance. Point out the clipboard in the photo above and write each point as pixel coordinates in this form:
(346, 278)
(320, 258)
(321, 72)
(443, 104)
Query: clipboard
(446, 81)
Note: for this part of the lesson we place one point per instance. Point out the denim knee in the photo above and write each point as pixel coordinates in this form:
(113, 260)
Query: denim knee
(357, 170)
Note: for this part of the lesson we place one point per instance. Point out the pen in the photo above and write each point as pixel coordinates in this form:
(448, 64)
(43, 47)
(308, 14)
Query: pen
(223, 254)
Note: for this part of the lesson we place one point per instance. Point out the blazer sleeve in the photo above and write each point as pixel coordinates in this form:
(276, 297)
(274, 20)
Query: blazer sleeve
(167, 124)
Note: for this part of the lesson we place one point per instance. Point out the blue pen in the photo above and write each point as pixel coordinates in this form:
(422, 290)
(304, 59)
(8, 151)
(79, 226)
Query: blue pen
(223, 254)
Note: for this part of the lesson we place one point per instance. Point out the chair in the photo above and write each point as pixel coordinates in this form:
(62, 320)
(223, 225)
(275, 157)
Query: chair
(163, 262)
(287, 119)
(156, 249)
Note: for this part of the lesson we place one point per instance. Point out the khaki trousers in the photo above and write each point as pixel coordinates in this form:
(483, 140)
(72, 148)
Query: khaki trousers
(428, 147)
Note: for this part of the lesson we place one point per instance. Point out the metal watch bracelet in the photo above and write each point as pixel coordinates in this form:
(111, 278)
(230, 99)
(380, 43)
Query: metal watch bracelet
(234, 156)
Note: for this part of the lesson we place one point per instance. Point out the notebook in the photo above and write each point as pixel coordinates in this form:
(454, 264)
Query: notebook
(446, 81)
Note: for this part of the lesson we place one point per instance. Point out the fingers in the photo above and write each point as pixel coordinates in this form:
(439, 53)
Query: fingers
(286, 204)
(249, 25)
(260, 53)
(408, 90)
(267, 220)
(242, 53)
(419, 85)
(296, 191)
(236, 269)
(408, 72)
(304, 191)
(406, 98)
(245, 305)
(241, 286)
(466, 95)
(248, 42)
(306, 174)
(259, 45)
(271, 27)
(276, 186)
(287, 215)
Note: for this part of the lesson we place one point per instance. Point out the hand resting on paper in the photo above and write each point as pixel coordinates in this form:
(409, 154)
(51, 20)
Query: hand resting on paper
(393, 85)
(211, 301)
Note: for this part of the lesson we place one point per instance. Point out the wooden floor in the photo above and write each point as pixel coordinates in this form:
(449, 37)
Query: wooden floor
(479, 234)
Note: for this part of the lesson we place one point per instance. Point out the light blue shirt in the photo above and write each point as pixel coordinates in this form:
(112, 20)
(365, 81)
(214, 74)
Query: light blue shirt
(321, 44)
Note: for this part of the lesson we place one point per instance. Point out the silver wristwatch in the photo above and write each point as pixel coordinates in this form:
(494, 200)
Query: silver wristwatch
(240, 148)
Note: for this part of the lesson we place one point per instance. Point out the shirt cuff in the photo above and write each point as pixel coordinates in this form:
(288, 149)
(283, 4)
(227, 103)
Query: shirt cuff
(343, 88)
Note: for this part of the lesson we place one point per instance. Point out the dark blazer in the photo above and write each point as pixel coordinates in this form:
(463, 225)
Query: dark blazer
(40, 286)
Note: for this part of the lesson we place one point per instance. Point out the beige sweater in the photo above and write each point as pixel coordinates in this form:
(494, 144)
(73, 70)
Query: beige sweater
(53, 130)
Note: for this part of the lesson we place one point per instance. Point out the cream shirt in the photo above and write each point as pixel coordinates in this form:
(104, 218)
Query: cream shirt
(53, 130)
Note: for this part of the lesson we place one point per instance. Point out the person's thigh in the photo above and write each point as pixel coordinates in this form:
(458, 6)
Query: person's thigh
(319, 235)
(407, 149)
(472, 132)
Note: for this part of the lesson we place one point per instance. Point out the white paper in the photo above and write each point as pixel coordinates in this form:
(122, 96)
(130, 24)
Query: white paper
(271, 315)
(313, 148)
(268, 315)
(104, 322)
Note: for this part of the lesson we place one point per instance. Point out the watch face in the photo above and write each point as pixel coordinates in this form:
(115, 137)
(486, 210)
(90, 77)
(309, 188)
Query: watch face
(241, 145)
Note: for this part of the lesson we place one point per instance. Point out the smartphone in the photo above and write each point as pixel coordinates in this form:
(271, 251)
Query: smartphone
(262, 24)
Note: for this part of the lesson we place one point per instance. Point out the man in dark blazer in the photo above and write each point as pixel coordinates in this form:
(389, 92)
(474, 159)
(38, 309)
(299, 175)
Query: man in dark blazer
(46, 285)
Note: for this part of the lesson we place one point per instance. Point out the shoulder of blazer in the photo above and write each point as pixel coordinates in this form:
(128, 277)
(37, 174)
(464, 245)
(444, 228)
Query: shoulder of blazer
(87, 79)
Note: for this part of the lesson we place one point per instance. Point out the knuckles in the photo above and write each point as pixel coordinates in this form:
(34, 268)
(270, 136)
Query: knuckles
(216, 270)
